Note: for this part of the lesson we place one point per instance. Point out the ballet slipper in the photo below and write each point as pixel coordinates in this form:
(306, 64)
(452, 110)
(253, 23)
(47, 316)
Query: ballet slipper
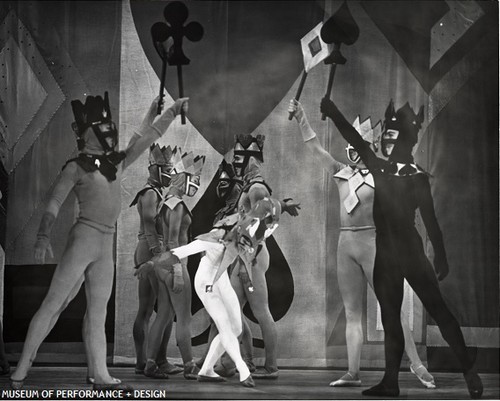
(213, 379)
(421, 373)
(248, 382)
(348, 380)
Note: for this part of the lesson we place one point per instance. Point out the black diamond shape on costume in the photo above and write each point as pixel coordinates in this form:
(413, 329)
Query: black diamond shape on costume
(314, 46)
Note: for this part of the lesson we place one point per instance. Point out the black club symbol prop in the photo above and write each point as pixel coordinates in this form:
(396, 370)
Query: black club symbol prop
(167, 40)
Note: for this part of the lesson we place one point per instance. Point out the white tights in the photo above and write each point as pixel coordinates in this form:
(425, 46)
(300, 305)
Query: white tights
(221, 303)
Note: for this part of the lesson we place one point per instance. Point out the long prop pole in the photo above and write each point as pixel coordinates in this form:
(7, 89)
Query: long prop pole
(329, 87)
(299, 90)
(162, 85)
(333, 68)
(181, 91)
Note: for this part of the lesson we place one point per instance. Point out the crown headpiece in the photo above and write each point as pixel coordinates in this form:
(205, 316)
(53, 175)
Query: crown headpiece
(95, 111)
(160, 156)
(248, 145)
(187, 163)
(365, 129)
(404, 118)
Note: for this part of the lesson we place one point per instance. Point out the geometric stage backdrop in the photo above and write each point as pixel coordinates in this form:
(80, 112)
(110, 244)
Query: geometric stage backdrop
(440, 54)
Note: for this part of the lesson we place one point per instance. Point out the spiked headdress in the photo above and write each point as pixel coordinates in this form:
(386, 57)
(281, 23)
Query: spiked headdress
(160, 156)
(368, 133)
(248, 145)
(404, 119)
(187, 163)
(245, 147)
(95, 111)
(365, 129)
(407, 123)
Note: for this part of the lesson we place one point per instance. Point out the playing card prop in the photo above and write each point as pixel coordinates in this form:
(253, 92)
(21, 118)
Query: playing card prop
(167, 39)
(314, 51)
(339, 28)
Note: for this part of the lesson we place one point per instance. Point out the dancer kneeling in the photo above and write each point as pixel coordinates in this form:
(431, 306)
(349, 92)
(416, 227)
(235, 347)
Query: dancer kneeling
(235, 237)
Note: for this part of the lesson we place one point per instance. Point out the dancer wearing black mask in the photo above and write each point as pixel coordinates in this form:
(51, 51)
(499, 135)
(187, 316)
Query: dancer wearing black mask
(401, 188)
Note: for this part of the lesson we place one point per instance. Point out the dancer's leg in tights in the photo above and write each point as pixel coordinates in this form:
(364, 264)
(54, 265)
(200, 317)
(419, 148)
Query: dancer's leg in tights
(164, 315)
(181, 304)
(65, 282)
(148, 290)
(259, 302)
(222, 306)
(98, 287)
(352, 283)
(424, 282)
(388, 283)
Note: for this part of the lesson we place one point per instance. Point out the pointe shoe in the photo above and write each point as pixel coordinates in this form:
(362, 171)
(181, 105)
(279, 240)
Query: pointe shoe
(423, 375)
(348, 380)
(248, 382)
(191, 371)
(474, 384)
(213, 379)
(91, 380)
(112, 386)
(263, 373)
(380, 390)
(16, 384)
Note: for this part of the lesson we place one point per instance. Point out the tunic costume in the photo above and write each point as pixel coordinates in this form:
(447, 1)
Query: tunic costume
(401, 188)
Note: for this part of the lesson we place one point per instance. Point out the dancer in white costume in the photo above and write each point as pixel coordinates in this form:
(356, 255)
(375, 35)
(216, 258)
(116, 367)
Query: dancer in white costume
(236, 236)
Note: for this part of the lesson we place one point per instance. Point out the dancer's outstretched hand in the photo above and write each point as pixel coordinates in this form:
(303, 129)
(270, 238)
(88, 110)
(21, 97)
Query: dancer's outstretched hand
(144, 269)
(160, 123)
(42, 248)
(292, 208)
(180, 104)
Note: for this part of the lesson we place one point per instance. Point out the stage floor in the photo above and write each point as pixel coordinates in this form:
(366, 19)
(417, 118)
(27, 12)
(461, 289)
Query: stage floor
(292, 384)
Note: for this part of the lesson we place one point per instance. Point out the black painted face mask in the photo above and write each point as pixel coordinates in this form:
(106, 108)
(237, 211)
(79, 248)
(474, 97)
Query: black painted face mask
(400, 133)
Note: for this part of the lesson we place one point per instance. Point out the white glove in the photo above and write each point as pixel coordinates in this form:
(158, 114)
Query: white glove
(161, 123)
(298, 112)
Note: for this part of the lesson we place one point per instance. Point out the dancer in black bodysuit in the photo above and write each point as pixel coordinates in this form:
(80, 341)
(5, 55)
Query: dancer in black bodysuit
(400, 188)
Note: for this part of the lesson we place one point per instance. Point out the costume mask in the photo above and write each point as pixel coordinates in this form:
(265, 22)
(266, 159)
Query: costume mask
(102, 137)
(400, 132)
(226, 180)
(160, 165)
(246, 146)
(189, 167)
